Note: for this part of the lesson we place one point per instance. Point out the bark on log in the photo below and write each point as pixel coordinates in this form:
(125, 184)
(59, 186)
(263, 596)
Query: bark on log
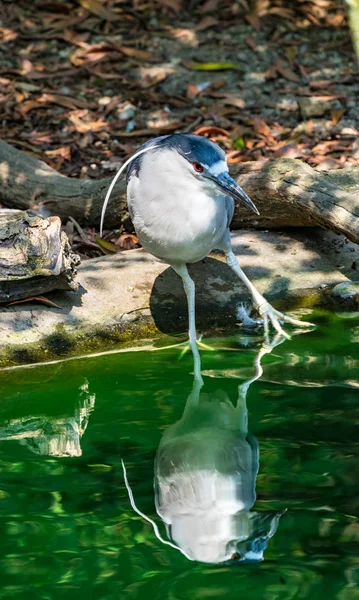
(35, 256)
(287, 192)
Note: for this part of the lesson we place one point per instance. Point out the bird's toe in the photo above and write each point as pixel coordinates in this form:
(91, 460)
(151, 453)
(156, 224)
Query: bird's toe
(276, 318)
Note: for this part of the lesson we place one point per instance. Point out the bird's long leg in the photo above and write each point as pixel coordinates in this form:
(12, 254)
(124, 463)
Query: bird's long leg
(241, 408)
(189, 289)
(266, 310)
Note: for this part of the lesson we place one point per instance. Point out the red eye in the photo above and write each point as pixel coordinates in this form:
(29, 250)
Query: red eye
(198, 167)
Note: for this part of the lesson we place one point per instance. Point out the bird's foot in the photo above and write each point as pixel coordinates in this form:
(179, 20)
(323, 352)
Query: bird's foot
(187, 346)
(198, 343)
(275, 317)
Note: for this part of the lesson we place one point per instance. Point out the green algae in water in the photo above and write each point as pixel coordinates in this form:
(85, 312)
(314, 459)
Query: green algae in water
(66, 523)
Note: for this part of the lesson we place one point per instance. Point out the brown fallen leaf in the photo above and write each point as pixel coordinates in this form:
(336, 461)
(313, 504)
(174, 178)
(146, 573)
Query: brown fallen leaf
(206, 23)
(321, 83)
(328, 97)
(51, 74)
(337, 115)
(286, 71)
(211, 130)
(254, 20)
(184, 35)
(335, 20)
(192, 91)
(175, 5)
(98, 9)
(312, 18)
(83, 123)
(271, 72)
(62, 100)
(25, 107)
(151, 80)
(133, 52)
(331, 146)
(285, 13)
(209, 6)
(128, 241)
(37, 137)
(235, 156)
(77, 40)
(96, 52)
(234, 100)
(91, 54)
(7, 35)
(41, 299)
(262, 129)
(63, 152)
(155, 130)
(251, 42)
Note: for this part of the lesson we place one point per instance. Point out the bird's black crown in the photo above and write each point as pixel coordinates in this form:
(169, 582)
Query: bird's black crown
(194, 148)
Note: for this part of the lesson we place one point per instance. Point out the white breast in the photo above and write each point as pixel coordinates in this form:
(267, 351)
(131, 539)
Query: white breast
(176, 222)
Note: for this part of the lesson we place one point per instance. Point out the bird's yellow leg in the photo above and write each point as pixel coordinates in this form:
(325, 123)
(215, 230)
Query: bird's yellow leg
(265, 310)
(187, 346)
(199, 344)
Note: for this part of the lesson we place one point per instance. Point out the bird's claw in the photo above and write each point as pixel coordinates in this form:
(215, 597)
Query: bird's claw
(202, 345)
(189, 346)
(275, 317)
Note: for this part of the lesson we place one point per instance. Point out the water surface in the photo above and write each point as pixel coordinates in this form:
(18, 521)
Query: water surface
(238, 472)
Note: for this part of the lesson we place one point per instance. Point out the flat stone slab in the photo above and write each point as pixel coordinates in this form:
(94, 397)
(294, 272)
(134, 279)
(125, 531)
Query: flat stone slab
(131, 296)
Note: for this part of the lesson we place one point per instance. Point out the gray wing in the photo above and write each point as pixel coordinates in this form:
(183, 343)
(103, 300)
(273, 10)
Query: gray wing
(229, 209)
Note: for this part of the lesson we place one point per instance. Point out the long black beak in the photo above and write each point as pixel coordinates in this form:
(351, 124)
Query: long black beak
(228, 185)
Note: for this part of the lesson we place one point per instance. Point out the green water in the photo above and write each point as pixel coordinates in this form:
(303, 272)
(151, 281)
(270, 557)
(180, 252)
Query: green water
(66, 523)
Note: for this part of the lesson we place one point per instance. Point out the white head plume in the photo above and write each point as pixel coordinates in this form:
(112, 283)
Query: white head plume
(141, 514)
(125, 164)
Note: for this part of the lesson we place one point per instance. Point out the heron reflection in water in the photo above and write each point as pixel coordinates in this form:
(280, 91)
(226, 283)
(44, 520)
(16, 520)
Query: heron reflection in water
(205, 477)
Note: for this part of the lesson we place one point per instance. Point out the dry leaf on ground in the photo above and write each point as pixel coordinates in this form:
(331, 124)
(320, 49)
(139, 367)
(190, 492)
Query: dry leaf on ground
(41, 299)
(211, 130)
(99, 10)
(128, 241)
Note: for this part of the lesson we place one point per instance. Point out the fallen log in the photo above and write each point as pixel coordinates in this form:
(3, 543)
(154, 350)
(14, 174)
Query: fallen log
(35, 256)
(287, 192)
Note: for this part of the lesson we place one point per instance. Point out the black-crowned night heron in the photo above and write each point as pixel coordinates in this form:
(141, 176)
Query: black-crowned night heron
(181, 201)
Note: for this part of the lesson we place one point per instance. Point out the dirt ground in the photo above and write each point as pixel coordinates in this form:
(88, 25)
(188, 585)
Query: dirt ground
(83, 84)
